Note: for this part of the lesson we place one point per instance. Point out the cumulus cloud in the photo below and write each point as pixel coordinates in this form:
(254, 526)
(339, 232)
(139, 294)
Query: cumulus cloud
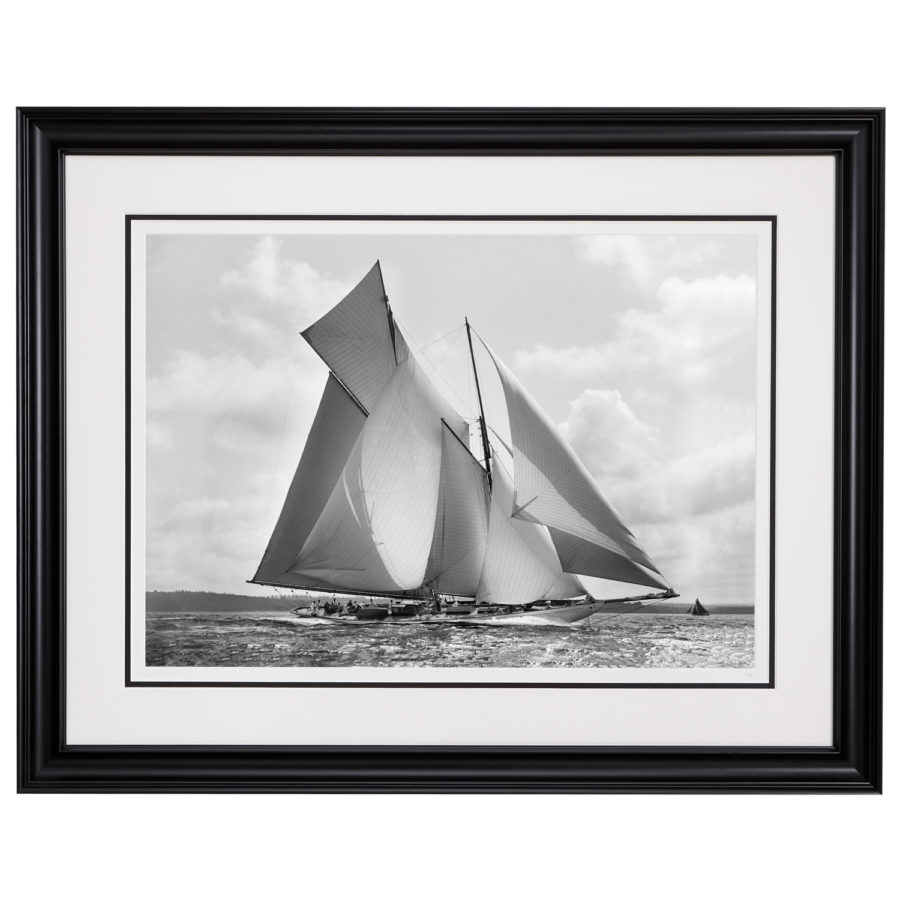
(247, 326)
(627, 252)
(259, 365)
(711, 554)
(691, 326)
(644, 260)
(629, 459)
(266, 274)
(198, 509)
(692, 511)
(686, 483)
(703, 481)
(224, 415)
(211, 542)
(231, 402)
(572, 361)
(215, 385)
(607, 435)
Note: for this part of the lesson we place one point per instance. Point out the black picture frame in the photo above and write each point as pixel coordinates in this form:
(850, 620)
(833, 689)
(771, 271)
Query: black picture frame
(852, 763)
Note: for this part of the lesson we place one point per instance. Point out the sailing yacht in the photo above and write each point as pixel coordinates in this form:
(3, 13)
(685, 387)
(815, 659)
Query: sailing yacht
(391, 511)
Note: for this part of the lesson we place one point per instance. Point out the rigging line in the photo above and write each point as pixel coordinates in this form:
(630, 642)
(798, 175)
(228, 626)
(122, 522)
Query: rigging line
(459, 440)
(469, 386)
(497, 435)
(437, 340)
(505, 468)
(449, 346)
(419, 349)
(422, 347)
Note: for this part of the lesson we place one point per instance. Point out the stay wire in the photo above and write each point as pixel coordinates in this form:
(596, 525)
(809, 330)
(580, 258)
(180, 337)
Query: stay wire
(419, 349)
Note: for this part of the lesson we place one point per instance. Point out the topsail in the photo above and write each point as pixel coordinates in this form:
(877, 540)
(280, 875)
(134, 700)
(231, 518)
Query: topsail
(388, 500)
(358, 340)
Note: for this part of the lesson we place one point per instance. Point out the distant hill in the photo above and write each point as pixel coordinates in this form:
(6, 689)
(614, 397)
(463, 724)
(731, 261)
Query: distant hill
(207, 601)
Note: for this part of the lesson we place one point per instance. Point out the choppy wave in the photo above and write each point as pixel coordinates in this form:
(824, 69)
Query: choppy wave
(639, 641)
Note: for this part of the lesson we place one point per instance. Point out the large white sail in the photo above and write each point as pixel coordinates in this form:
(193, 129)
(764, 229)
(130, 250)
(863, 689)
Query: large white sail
(577, 555)
(358, 341)
(567, 585)
(334, 431)
(520, 564)
(387, 497)
(362, 344)
(376, 529)
(553, 488)
(461, 525)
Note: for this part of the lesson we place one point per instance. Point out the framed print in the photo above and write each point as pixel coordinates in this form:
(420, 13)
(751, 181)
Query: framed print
(450, 450)
(451, 566)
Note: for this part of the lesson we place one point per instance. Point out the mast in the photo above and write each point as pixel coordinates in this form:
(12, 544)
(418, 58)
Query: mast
(484, 438)
(391, 326)
(387, 308)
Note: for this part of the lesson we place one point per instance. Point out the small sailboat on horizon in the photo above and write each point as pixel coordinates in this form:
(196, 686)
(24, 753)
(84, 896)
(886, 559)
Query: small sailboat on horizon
(390, 508)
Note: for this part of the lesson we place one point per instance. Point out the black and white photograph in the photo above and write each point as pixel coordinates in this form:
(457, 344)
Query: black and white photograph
(417, 448)
(451, 452)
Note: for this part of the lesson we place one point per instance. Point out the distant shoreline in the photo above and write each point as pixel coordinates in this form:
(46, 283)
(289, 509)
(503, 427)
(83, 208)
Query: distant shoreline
(208, 601)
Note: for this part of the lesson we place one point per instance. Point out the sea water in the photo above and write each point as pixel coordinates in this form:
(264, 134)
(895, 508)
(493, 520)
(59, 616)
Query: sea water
(644, 640)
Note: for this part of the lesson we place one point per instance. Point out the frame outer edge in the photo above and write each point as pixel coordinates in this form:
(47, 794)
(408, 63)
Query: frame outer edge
(853, 764)
(862, 617)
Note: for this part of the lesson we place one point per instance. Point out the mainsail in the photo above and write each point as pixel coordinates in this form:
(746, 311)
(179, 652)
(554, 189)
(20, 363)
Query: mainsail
(337, 425)
(388, 499)
(375, 531)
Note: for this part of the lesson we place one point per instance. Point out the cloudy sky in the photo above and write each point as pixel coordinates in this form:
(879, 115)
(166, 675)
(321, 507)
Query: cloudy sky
(641, 347)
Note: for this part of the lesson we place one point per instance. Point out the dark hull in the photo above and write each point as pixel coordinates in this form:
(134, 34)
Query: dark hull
(565, 615)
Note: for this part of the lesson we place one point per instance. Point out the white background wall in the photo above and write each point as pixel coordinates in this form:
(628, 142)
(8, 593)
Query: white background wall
(461, 53)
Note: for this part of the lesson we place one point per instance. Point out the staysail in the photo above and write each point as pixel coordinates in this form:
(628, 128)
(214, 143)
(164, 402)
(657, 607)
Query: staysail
(578, 555)
(567, 585)
(461, 524)
(520, 564)
(375, 531)
(553, 488)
